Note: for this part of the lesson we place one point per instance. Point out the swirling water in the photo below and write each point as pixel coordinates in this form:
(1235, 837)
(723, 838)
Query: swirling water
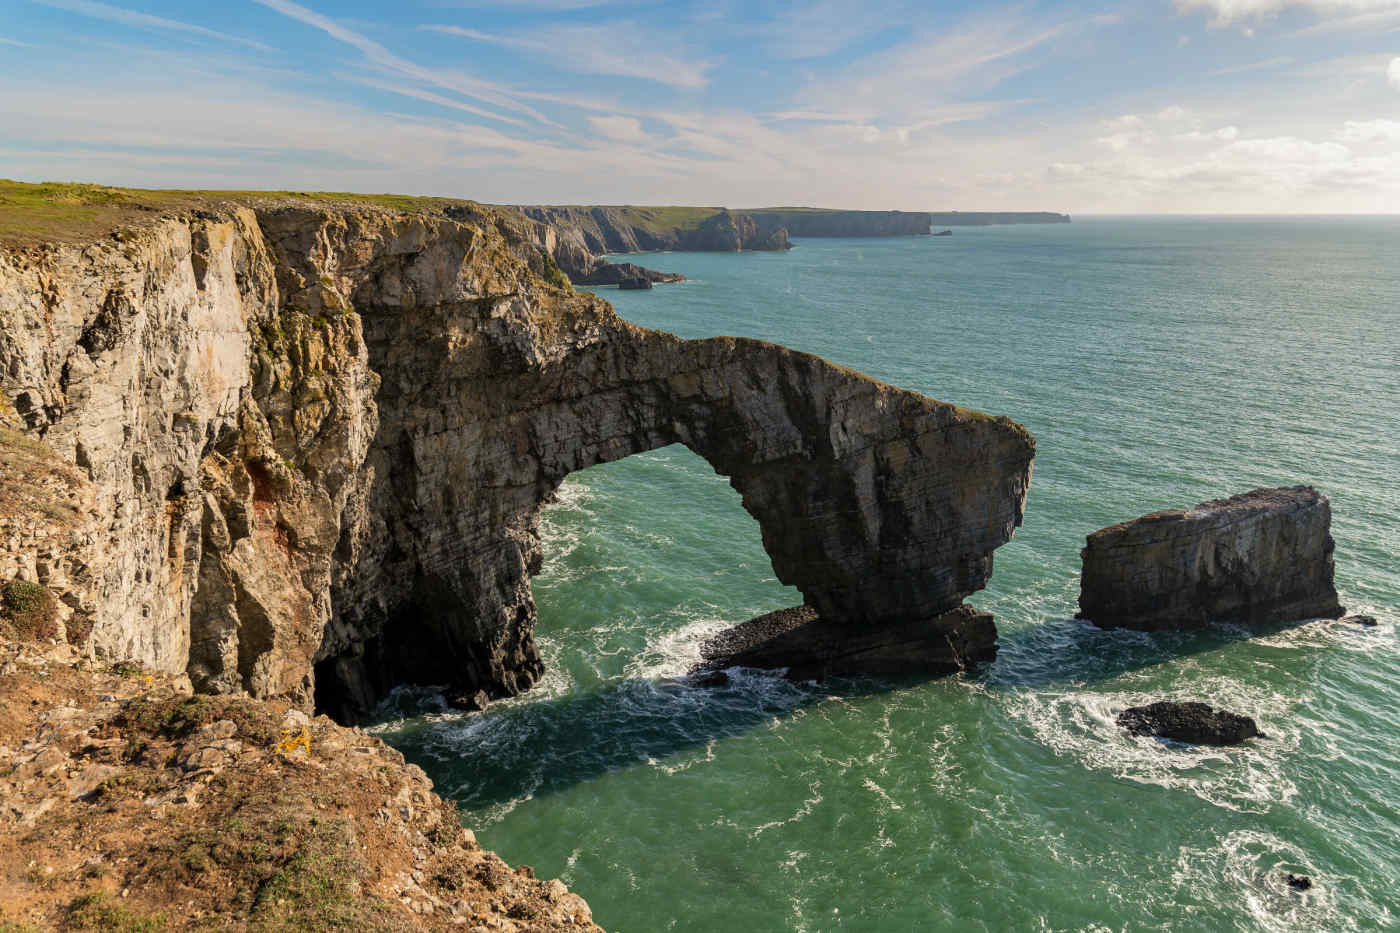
(1158, 362)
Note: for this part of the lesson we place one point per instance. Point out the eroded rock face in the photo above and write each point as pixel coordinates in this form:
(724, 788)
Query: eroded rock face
(322, 438)
(1262, 556)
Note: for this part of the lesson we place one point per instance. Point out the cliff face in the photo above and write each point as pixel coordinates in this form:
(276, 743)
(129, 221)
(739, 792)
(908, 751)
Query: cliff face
(817, 223)
(317, 442)
(993, 218)
(576, 237)
(1263, 556)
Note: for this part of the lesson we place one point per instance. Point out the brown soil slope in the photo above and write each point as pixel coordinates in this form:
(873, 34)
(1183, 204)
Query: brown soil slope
(127, 804)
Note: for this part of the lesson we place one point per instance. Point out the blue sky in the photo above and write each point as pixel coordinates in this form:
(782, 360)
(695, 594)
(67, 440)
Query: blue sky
(1210, 106)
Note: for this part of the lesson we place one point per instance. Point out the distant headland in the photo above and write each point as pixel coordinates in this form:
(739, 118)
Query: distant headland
(583, 234)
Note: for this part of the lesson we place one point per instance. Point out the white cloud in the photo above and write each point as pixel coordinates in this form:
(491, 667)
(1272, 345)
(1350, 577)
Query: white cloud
(627, 129)
(1224, 134)
(1225, 12)
(1370, 131)
(1392, 73)
(112, 14)
(626, 50)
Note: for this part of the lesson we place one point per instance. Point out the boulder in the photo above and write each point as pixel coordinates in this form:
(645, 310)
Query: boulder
(1193, 723)
(1260, 557)
(1365, 621)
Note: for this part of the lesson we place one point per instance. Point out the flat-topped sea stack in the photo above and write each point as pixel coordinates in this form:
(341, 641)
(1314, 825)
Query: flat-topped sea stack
(1259, 557)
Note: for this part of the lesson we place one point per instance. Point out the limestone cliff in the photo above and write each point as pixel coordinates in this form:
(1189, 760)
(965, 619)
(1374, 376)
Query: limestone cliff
(804, 222)
(1262, 556)
(316, 441)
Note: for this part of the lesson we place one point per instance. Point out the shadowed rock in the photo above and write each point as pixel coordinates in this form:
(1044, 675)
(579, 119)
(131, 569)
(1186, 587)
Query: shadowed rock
(1263, 556)
(811, 648)
(1193, 723)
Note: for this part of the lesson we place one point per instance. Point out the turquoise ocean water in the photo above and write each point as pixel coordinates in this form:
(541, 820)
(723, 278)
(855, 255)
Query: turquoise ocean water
(1159, 362)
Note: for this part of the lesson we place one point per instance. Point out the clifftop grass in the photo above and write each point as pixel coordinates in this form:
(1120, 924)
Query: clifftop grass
(64, 212)
(67, 212)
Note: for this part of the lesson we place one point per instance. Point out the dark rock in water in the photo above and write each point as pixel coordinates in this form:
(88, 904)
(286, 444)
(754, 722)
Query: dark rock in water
(1367, 621)
(587, 270)
(639, 282)
(944, 233)
(1193, 723)
(1298, 882)
(473, 702)
(812, 648)
(1263, 556)
(708, 678)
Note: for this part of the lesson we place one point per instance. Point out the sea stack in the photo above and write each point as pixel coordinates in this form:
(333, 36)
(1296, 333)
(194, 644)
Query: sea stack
(1259, 557)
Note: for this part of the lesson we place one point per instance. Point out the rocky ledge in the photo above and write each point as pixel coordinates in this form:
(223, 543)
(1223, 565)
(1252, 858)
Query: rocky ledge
(128, 804)
(1259, 557)
(300, 450)
(811, 648)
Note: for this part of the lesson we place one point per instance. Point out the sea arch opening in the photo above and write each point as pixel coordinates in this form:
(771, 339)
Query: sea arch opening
(644, 557)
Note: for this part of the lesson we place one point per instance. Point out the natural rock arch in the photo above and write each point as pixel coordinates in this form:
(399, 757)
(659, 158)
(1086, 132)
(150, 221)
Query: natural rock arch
(320, 438)
(878, 504)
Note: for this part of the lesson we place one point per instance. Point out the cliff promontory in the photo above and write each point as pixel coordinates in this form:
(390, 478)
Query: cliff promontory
(310, 443)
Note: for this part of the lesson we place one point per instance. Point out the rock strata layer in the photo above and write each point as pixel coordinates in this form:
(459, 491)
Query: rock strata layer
(311, 445)
(811, 648)
(1259, 557)
(1192, 723)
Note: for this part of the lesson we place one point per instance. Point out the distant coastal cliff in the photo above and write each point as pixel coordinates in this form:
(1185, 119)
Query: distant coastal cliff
(579, 236)
(992, 218)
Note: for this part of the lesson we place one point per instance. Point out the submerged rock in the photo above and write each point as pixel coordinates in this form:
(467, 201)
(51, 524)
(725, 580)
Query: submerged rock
(1366, 621)
(474, 701)
(708, 678)
(1298, 882)
(811, 647)
(1263, 556)
(1193, 723)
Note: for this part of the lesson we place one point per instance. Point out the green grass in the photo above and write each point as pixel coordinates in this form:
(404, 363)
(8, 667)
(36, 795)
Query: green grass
(655, 219)
(96, 911)
(28, 611)
(72, 212)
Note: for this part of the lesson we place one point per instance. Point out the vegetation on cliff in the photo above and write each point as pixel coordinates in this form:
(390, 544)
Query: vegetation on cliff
(128, 805)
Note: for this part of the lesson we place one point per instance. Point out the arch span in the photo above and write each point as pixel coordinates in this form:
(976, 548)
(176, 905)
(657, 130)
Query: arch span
(318, 437)
(880, 505)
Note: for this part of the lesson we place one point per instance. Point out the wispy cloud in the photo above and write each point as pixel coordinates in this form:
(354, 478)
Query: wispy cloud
(379, 55)
(1227, 12)
(1255, 66)
(15, 42)
(627, 50)
(907, 83)
(112, 14)
(623, 128)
